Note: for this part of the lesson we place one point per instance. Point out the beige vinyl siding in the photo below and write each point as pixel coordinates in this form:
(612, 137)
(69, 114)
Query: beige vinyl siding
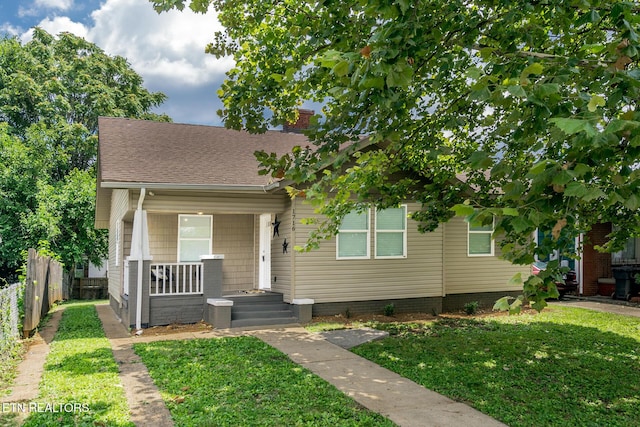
(233, 237)
(281, 262)
(465, 274)
(320, 276)
(163, 237)
(227, 203)
(119, 208)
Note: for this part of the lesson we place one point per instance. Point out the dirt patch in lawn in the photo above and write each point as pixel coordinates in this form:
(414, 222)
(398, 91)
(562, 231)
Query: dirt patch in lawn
(176, 328)
(357, 320)
(353, 321)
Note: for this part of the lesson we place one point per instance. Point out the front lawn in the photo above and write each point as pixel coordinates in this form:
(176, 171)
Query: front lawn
(80, 385)
(563, 367)
(243, 381)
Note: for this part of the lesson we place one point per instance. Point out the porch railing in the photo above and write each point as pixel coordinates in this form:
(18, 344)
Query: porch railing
(175, 279)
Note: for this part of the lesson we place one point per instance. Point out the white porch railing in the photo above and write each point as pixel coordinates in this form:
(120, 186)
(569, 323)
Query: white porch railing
(175, 279)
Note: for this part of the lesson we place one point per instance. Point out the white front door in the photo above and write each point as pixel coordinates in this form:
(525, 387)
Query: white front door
(264, 276)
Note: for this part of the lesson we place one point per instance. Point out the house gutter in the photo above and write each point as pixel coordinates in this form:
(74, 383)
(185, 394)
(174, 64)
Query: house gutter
(207, 187)
(143, 192)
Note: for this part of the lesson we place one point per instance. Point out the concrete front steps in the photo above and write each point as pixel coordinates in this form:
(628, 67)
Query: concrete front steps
(260, 309)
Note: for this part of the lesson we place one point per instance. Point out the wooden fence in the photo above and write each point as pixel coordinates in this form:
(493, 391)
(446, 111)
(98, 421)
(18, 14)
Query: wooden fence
(90, 288)
(43, 288)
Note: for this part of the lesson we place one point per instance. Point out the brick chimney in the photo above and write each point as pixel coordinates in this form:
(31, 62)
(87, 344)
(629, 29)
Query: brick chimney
(303, 122)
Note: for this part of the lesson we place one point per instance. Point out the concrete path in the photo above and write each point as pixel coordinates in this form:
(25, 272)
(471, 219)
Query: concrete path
(605, 307)
(349, 338)
(376, 388)
(26, 385)
(145, 403)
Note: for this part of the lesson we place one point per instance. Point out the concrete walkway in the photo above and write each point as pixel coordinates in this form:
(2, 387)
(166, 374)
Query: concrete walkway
(378, 389)
(26, 385)
(594, 304)
(374, 387)
(145, 403)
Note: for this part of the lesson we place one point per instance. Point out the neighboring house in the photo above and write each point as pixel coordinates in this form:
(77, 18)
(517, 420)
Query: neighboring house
(90, 281)
(598, 267)
(186, 203)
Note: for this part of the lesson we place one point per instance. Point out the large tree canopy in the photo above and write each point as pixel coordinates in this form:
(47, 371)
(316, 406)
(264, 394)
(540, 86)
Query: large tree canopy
(52, 90)
(532, 103)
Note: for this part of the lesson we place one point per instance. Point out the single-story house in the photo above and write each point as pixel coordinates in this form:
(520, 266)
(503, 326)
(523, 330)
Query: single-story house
(196, 233)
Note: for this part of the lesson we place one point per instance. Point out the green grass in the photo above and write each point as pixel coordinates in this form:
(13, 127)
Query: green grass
(563, 367)
(81, 369)
(9, 362)
(243, 381)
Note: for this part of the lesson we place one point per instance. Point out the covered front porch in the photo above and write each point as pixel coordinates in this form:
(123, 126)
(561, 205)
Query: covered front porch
(191, 292)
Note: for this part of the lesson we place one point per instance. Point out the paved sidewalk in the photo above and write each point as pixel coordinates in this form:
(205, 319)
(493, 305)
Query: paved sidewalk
(26, 385)
(605, 307)
(376, 388)
(145, 403)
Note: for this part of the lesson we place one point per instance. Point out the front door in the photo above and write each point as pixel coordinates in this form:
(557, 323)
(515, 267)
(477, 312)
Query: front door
(264, 276)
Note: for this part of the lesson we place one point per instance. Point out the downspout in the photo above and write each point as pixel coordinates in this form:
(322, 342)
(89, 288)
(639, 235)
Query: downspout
(140, 262)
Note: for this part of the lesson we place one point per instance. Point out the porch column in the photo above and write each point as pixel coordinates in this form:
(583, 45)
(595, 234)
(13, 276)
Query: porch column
(211, 276)
(133, 293)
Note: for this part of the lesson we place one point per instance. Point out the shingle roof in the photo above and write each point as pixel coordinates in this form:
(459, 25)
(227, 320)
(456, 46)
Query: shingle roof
(141, 151)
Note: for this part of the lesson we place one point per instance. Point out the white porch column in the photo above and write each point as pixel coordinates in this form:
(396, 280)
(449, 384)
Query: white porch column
(140, 250)
(264, 273)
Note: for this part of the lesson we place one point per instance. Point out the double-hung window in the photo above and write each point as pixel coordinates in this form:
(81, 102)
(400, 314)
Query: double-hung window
(479, 240)
(391, 233)
(390, 236)
(353, 236)
(194, 237)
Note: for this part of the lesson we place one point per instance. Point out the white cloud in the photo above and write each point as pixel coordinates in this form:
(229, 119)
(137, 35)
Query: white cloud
(58, 25)
(166, 49)
(167, 46)
(10, 30)
(35, 9)
(54, 4)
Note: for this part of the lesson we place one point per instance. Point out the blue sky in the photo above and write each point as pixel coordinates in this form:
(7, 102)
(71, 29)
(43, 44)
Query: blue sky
(167, 50)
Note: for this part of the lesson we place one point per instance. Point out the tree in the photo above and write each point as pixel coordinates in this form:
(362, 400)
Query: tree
(52, 91)
(533, 103)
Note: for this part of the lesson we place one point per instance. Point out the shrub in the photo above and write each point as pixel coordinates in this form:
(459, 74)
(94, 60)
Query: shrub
(471, 308)
(389, 310)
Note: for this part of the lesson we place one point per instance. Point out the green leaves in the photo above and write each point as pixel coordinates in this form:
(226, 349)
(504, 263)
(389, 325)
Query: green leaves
(463, 210)
(573, 126)
(535, 68)
(526, 114)
(595, 102)
(52, 91)
(400, 75)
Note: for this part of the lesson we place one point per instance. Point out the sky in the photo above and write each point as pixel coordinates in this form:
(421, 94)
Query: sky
(166, 49)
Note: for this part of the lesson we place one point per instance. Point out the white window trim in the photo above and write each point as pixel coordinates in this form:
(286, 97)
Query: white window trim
(404, 237)
(368, 240)
(180, 216)
(470, 232)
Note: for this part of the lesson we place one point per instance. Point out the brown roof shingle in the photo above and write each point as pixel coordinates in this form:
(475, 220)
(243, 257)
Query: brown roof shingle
(141, 151)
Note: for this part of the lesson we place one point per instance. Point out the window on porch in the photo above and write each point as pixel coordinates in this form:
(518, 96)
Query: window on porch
(194, 237)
